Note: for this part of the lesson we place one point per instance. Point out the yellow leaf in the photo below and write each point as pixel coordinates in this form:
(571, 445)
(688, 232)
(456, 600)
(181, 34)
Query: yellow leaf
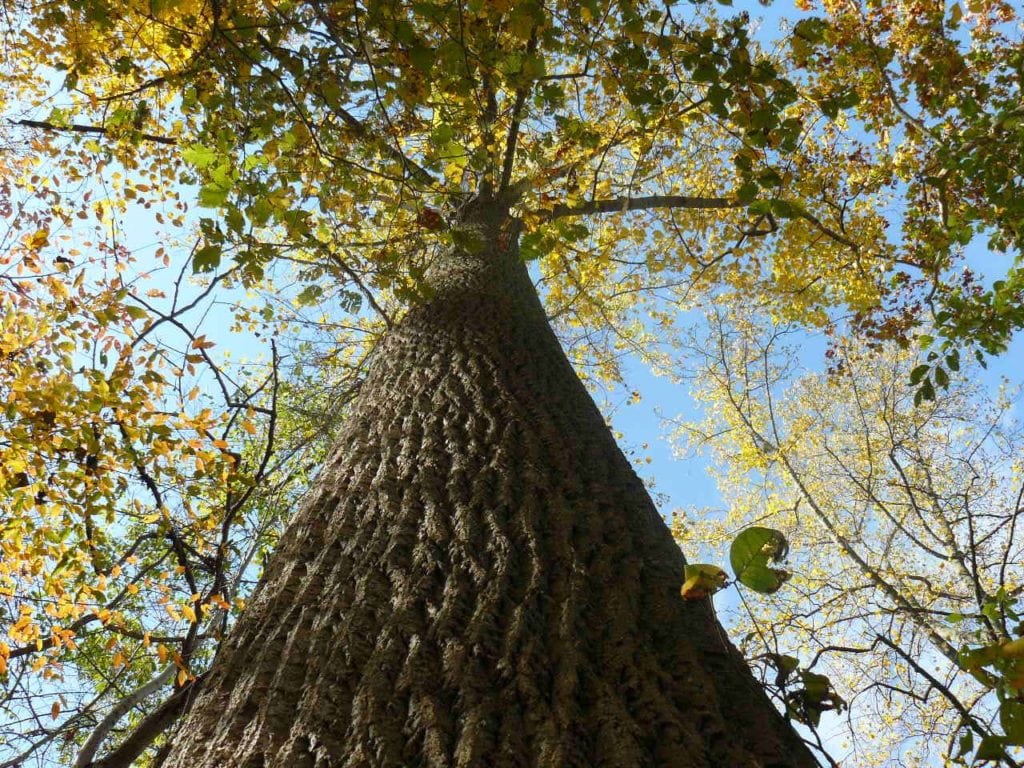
(55, 710)
(40, 239)
(1013, 649)
(701, 581)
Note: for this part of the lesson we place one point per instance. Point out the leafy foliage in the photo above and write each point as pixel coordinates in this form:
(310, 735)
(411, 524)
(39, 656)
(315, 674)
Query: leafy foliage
(939, 91)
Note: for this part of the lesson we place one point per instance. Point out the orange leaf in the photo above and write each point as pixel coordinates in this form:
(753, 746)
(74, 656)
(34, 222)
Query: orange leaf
(39, 240)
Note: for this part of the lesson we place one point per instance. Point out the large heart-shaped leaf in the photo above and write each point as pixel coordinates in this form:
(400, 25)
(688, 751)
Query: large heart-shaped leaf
(750, 554)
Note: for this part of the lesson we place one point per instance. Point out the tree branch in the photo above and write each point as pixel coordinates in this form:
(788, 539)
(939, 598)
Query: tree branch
(79, 128)
(119, 710)
(623, 204)
(515, 119)
(158, 721)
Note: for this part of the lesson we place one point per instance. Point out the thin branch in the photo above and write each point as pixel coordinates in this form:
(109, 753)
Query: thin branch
(969, 719)
(1018, 508)
(94, 129)
(48, 642)
(823, 227)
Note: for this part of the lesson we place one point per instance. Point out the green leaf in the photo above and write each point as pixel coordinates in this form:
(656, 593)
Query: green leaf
(747, 192)
(786, 665)
(751, 552)
(705, 72)
(199, 156)
(206, 259)
(422, 57)
(769, 177)
(811, 30)
(925, 393)
(59, 117)
(213, 195)
(991, 748)
(816, 686)
(787, 209)
(310, 295)
(918, 373)
(956, 13)
(975, 658)
(966, 744)
(1011, 717)
(814, 697)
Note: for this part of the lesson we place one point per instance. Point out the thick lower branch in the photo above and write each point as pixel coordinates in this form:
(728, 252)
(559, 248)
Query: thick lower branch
(119, 710)
(154, 724)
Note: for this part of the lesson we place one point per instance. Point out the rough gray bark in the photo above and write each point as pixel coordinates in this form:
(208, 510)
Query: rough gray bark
(479, 579)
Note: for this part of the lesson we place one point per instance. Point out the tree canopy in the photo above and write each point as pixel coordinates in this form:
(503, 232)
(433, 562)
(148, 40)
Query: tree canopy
(307, 161)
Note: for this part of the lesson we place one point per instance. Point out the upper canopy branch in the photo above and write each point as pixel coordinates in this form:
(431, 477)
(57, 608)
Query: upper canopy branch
(623, 204)
(96, 129)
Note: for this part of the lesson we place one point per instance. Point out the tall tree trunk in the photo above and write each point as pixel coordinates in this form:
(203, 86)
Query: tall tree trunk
(479, 578)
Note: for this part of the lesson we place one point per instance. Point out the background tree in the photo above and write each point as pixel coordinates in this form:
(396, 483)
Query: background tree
(904, 524)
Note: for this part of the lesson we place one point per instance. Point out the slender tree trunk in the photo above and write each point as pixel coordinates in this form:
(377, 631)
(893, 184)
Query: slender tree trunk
(479, 578)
